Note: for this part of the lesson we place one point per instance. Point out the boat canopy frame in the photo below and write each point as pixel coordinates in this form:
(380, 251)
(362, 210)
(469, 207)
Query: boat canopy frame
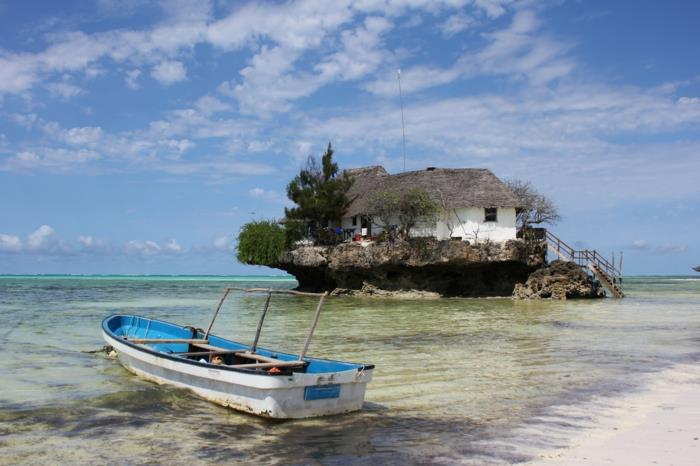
(270, 292)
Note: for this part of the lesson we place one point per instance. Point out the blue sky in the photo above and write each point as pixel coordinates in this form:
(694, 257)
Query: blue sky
(137, 136)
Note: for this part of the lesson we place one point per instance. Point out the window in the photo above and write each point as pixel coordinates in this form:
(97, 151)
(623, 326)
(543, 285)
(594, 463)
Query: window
(490, 214)
(354, 221)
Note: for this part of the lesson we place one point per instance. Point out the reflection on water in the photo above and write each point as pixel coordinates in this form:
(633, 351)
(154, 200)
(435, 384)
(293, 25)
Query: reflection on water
(457, 381)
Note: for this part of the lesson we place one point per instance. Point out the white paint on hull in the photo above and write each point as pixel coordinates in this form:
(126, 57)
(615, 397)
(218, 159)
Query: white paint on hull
(269, 396)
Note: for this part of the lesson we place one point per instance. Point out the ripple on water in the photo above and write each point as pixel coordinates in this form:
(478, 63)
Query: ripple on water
(457, 381)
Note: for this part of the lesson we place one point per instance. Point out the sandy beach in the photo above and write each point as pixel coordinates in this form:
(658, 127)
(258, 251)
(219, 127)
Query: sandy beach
(659, 426)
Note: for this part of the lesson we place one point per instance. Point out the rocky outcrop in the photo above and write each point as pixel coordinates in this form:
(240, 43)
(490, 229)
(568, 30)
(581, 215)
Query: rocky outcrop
(559, 280)
(425, 265)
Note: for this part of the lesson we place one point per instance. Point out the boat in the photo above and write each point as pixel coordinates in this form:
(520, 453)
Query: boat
(255, 380)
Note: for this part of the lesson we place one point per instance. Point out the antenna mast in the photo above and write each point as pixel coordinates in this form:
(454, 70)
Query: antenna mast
(403, 129)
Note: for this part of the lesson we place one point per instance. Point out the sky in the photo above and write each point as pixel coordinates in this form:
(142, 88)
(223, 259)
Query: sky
(136, 137)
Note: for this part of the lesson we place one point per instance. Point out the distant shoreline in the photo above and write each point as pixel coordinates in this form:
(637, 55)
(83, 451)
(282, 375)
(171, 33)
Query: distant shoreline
(237, 277)
(152, 277)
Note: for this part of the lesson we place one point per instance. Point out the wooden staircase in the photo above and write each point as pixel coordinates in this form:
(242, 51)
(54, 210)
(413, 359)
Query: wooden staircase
(590, 260)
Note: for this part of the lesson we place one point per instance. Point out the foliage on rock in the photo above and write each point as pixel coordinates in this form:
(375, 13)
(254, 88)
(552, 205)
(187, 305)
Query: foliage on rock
(407, 208)
(319, 192)
(261, 243)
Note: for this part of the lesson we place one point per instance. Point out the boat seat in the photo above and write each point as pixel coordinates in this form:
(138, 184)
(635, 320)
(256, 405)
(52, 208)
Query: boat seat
(144, 341)
(261, 361)
(269, 365)
(204, 344)
(240, 353)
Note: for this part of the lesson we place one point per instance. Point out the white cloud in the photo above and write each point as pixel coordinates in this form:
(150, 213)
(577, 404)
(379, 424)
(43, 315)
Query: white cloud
(360, 54)
(273, 196)
(64, 90)
(132, 79)
(298, 26)
(87, 241)
(259, 146)
(45, 241)
(223, 243)
(413, 79)
(663, 248)
(456, 23)
(670, 248)
(519, 50)
(42, 238)
(10, 243)
(209, 105)
(85, 136)
(49, 158)
(493, 8)
(179, 145)
(169, 72)
(640, 245)
(173, 246)
(143, 248)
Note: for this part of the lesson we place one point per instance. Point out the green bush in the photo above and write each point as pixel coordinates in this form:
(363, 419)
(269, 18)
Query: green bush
(294, 230)
(261, 243)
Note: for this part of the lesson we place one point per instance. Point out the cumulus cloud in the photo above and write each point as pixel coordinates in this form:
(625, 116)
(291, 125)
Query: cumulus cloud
(10, 243)
(42, 238)
(173, 246)
(169, 72)
(144, 248)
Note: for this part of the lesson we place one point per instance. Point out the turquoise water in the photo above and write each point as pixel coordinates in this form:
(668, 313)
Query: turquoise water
(458, 381)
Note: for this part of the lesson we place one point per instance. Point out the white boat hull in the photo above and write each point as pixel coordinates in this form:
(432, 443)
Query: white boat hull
(281, 397)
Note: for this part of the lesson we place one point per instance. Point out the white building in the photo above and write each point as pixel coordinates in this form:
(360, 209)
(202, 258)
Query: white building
(475, 204)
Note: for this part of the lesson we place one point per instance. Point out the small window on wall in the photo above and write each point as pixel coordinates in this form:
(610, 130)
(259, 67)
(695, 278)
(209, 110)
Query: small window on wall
(490, 214)
(354, 221)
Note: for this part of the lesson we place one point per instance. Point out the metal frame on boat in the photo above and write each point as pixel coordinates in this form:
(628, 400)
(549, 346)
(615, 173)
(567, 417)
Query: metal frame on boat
(244, 377)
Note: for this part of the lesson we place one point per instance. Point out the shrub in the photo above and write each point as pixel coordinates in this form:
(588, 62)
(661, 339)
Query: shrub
(294, 230)
(408, 208)
(261, 243)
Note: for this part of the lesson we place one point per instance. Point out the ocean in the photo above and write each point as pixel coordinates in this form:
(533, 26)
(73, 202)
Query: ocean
(457, 381)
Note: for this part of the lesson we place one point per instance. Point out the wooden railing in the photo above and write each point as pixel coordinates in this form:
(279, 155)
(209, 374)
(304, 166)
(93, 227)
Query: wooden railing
(583, 257)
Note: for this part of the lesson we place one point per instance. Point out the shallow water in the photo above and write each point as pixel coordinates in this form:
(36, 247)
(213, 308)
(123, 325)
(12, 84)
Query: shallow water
(456, 382)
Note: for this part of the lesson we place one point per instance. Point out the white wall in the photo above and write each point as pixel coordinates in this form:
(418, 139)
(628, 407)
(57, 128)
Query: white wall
(468, 224)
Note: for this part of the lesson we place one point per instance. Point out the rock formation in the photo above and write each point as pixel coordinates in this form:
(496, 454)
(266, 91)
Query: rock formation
(425, 266)
(559, 280)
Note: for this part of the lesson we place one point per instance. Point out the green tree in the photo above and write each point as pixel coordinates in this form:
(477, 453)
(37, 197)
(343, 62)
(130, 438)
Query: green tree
(319, 192)
(407, 208)
(261, 243)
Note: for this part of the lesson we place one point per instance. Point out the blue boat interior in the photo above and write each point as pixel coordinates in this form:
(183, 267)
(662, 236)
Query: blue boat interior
(143, 333)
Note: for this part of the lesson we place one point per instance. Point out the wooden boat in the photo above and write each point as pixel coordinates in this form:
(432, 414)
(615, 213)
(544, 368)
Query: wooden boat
(244, 377)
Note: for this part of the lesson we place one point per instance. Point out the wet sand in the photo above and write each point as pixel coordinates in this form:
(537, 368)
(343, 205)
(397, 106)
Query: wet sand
(659, 426)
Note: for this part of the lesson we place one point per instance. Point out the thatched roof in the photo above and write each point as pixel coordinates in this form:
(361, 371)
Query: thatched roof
(453, 187)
